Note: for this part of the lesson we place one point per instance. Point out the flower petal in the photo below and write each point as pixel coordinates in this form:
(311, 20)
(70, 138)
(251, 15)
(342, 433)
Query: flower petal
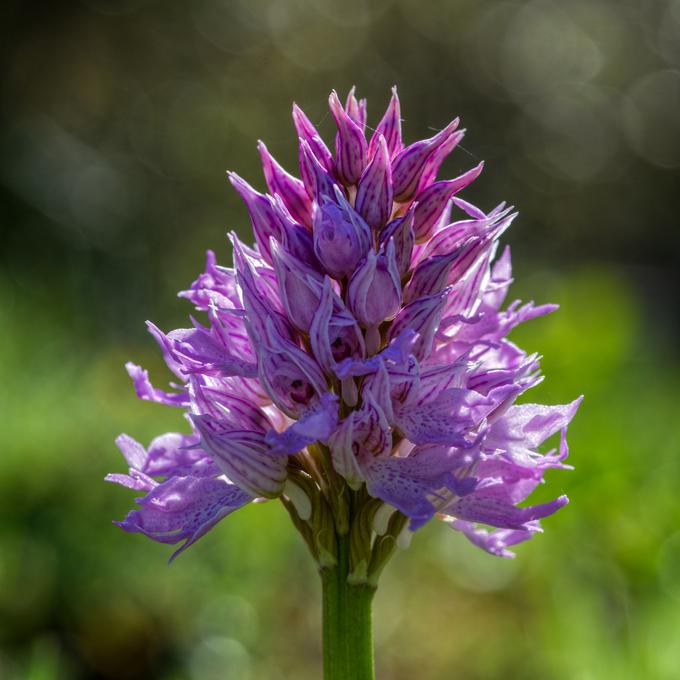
(184, 508)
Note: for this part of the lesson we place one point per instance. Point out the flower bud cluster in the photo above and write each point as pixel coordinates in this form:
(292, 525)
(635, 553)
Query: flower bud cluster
(355, 360)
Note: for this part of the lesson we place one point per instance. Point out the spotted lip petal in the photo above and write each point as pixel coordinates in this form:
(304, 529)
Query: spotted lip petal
(366, 324)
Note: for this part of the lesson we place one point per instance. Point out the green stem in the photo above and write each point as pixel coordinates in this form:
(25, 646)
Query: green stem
(347, 622)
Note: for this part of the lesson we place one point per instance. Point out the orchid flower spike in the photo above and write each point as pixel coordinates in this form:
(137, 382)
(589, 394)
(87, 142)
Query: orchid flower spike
(354, 361)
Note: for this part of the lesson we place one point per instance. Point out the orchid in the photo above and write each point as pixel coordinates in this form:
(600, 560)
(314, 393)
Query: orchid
(354, 364)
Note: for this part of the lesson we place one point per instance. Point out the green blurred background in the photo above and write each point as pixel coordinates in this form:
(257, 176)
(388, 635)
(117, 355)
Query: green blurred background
(119, 119)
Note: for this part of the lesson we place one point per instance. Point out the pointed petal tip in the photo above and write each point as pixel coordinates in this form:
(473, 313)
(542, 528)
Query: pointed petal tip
(238, 182)
(574, 406)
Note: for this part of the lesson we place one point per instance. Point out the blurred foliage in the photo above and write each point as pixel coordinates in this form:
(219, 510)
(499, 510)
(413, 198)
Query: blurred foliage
(119, 118)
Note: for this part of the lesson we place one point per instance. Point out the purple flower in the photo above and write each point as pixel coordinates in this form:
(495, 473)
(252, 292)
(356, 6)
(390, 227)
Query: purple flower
(341, 236)
(289, 188)
(357, 350)
(350, 144)
(191, 496)
(374, 291)
(374, 191)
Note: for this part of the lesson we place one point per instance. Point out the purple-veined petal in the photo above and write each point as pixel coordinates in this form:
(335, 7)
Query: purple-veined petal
(334, 335)
(184, 508)
(432, 201)
(259, 303)
(374, 291)
(237, 411)
(410, 483)
(343, 455)
(434, 162)
(409, 165)
(299, 285)
(291, 190)
(318, 181)
(446, 420)
(494, 542)
(216, 286)
(341, 236)
(400, 231)
(421, 315)
(389, 127)
(295, 238)
(527, 426)
(136, 480)
(200, 350)
(293, 379)
(374, 193)
(172, 455)
(395, 353)
(356, 109)
(429, 277)
(244, 456)
(147, 392)
(350, 144)
(306, 131)
(496, 513)
(263, 217)
(316, 425)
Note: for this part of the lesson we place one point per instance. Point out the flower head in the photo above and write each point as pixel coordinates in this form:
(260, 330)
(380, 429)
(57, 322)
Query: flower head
(355, 360)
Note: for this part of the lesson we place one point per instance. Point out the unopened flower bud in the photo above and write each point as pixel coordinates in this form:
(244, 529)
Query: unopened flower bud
(350, 144)
(341, 236)
(374, 194)
(291, 190)
(374, 292)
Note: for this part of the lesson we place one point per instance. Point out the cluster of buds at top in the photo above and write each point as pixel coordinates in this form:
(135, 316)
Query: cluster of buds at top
(355, 361)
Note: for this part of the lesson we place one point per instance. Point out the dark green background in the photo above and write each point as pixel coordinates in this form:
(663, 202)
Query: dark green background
(119, 120)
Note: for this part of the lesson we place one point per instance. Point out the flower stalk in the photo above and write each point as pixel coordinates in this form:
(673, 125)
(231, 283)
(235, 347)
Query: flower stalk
(347, 621)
